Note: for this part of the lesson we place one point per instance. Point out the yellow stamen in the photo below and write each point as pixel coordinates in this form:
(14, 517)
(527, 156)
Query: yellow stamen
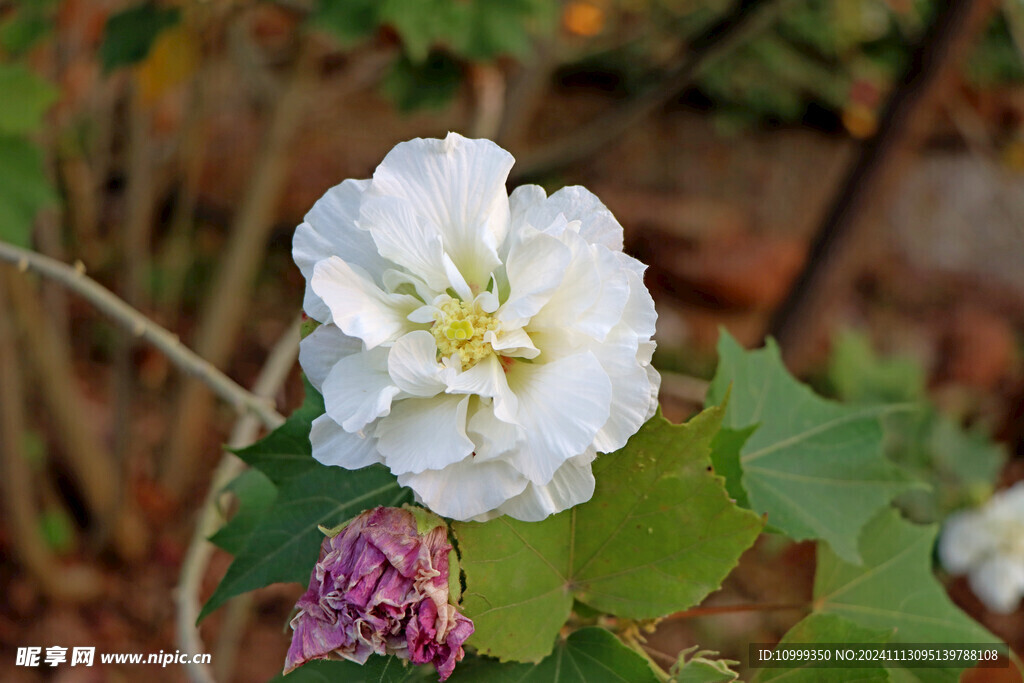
(459, 329)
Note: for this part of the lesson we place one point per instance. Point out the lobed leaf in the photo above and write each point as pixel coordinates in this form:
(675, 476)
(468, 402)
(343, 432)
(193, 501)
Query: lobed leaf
(659, 534)
(587, 655)
(284, 543)
(815, 467)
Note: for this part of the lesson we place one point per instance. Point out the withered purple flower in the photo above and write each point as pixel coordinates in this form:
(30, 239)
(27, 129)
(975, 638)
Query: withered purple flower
(381, 586)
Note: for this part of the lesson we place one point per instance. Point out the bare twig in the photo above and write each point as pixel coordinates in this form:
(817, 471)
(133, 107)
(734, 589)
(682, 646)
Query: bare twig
(20, 516)
(684, 387)
(746, 19)
(939, 49)
(279, 363)
(222, 316)
(144, 328)
(488, 84)
(93, 468)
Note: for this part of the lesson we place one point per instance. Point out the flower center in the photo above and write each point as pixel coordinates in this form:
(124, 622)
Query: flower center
(459, 329)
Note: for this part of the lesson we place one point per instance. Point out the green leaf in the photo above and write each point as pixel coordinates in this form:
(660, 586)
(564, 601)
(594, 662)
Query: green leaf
(349, 21)
(284, 543)
(431, 84)
(815, 467)
(587, 655)
(26, 97)
(895, 590)
(24, 27)
(128, 35)
(859, 375)
(659, 534)
(255, 494)
(725, 458)
(829, 628)
(376, 670)
(699, 666)
(24, 189)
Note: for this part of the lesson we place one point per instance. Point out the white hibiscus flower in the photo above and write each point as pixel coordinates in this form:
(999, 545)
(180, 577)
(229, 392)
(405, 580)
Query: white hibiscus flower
(484, 347)
(987, 544)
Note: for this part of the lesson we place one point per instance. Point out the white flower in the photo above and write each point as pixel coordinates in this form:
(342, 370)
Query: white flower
(484, 347)
(988, 545)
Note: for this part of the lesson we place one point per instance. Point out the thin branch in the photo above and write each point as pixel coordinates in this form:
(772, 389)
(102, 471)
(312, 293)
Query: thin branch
(142, 327)
(89, 461)
(225, 309)
(733, 609)
(276, 369)
(939, 49)
(20, 514)
(745, 20)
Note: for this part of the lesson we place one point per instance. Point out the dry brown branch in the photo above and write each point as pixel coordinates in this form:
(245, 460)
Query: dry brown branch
(275, 371)
(747, 19)
(74, 584)
(902, 124)
(227, 305)
(144, 328)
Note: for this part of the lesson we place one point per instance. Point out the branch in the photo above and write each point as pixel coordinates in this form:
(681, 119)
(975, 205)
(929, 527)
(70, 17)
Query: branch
(225, 308)
(747, 19)
(20, 514)
(940, 48)
(142, 327)
(279, 363)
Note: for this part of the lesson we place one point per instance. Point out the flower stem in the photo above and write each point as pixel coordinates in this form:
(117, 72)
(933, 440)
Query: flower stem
(732, 609)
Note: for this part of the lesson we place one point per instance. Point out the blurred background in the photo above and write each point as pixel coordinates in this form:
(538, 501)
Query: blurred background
(844, 175)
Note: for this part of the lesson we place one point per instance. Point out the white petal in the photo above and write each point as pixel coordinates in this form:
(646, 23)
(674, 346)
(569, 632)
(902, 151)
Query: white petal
(405, 238)
(535, 268)
(964, 542)
(321, 349)
(580, 288)
(631, 398)
(493, 438)
(654, 379)
(487, 378)
(999, 582)
(458, 185)
(571, 485)
(358, 306)
(330, 230)
(413, 365)
(639, 312)
(424, 433)
(562, 405)
(332, 445)
(575, 203)
(515, 343)
(358, 389)
(607, 310)
(465, 490)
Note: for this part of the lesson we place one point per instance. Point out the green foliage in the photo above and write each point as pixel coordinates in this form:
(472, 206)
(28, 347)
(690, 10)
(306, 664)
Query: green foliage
(430, 84)
(659, 534)
(26, 99)
(24, 189)
(283, 540)
(894, 591)
(23, 27)
(959, 465)
(815, 467)
(376, 670)
(438, 36)
(129, 34)
(587, 655)
(829, 628)
(57, 530)
(255, 494)
(699, 666)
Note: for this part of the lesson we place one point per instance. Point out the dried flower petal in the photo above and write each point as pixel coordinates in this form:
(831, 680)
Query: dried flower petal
(381, 586)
